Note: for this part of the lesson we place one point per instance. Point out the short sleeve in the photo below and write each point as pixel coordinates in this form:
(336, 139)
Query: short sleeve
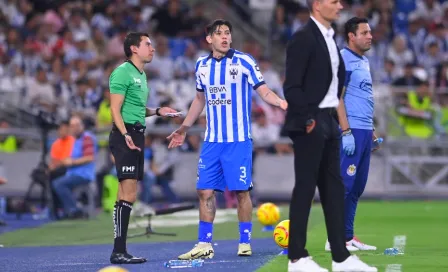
(252, 71)
(199, 87)
(118, 82)
(348, 74)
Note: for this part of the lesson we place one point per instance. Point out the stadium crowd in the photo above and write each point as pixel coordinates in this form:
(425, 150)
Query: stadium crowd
(58, 55)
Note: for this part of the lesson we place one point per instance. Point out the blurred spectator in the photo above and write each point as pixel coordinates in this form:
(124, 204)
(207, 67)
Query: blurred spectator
(399, 53)
(60, 150)
(431, 58)
(261, 11)
(8, 143)
(417, 116)
(408, 79)
(40, 94)
(169, 20)
(184, 66)
(80, 168)
(163, 164)
(264, 134)
(195, 23)
(162, 66)
(441, 79)
(429, 10)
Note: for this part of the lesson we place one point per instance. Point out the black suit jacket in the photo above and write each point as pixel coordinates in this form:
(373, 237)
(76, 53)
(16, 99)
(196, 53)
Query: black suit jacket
(308, 75)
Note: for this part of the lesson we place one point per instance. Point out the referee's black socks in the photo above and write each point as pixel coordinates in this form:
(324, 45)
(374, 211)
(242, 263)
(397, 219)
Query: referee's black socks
(122, 212)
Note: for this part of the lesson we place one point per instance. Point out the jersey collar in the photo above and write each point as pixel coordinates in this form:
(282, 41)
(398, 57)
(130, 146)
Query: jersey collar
(353, 52)
(141, 73)
(229, 55)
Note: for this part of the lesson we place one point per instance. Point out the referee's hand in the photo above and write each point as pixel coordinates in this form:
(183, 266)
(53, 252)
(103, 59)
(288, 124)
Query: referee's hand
(130, 143)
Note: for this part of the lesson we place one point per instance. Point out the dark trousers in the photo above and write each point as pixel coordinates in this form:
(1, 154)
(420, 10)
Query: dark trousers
(316, 162)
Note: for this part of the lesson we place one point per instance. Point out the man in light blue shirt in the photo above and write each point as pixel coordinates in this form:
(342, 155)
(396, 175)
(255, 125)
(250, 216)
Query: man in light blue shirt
(356, 123)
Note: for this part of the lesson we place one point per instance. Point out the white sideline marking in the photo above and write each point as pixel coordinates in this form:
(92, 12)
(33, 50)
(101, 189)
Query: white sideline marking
(400, 243)
(393, 268)
(184, 220)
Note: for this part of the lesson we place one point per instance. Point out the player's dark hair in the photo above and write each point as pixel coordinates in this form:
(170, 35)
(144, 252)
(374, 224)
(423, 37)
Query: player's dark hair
(351, 26)
(212, 27)
(132, 38)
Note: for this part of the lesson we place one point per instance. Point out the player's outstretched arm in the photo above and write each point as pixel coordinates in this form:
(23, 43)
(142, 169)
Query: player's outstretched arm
(177, 138)
(271, 98)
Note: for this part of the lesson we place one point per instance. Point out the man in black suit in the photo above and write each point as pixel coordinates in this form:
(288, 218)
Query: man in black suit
(315, 75)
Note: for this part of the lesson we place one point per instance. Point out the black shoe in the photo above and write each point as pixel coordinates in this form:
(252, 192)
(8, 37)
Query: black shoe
(125, 258)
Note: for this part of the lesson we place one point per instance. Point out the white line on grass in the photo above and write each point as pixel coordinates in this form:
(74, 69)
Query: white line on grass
(393, 268)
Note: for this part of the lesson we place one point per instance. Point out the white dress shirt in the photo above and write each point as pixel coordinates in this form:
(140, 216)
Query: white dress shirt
(331, 99)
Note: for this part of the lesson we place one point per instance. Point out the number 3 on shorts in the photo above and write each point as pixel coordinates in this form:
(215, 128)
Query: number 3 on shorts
(243, 174)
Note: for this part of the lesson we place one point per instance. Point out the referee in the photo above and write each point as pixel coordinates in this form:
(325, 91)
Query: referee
(129, 94)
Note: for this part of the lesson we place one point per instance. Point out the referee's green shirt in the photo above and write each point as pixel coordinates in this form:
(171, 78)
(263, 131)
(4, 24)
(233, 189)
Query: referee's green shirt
(128, 81)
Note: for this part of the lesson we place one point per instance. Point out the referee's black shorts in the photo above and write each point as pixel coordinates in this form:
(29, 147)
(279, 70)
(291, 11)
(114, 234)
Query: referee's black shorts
(129, 163)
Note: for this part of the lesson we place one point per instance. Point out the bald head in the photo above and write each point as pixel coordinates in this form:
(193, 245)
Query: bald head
(76, 125)
(325, 11)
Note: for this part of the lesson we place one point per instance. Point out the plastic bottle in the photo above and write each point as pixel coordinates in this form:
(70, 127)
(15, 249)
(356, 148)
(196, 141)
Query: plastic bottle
(391, 251)
(184, 263)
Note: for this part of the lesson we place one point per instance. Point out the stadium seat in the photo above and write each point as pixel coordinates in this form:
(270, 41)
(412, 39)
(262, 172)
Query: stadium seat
(89, 190)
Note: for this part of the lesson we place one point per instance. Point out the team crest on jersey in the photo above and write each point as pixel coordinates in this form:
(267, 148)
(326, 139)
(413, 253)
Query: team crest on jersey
(233, 72)
(351, 170)
(365, 85)
(137, 81)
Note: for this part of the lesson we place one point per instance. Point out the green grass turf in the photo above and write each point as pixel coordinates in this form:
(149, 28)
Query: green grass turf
(100, 231)
(423, 223)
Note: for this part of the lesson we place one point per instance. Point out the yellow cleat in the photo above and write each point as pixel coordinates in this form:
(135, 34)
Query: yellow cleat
(200, 251)
(244, 250)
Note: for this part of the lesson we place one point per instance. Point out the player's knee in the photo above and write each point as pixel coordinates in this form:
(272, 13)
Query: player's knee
(128, 190)
(205, 194)
(242, 196)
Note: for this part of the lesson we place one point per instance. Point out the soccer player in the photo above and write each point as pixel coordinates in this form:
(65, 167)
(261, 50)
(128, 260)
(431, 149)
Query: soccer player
(129, 94)
(356, 121)
(224, 83)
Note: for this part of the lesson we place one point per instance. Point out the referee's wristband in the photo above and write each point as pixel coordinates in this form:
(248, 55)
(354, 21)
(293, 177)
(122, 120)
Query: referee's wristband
(157, 112)
(126, 134)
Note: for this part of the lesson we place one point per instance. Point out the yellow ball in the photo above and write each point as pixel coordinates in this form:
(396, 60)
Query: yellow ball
(112, 269)
(268, 214)
(281, 234)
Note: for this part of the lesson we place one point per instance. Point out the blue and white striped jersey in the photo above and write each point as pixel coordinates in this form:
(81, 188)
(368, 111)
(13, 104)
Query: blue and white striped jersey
(227, 84)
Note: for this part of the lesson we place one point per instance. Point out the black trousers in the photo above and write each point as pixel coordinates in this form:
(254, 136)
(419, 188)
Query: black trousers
(317, 162)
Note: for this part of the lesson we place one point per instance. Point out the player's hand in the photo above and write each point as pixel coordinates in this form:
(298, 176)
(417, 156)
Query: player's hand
(376, 142)
(284, 105)
(130, 143)
(310, 125)
(348, 144)
(169, 112)
(176, 138)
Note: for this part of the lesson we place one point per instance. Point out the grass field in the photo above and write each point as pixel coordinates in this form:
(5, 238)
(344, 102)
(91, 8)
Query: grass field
(423, 223)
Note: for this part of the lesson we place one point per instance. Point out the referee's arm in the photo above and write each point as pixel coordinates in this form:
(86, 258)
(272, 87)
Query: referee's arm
(116, 102)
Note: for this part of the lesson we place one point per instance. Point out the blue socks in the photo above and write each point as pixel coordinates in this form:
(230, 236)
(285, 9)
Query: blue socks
(205, 233)
(245, 232)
